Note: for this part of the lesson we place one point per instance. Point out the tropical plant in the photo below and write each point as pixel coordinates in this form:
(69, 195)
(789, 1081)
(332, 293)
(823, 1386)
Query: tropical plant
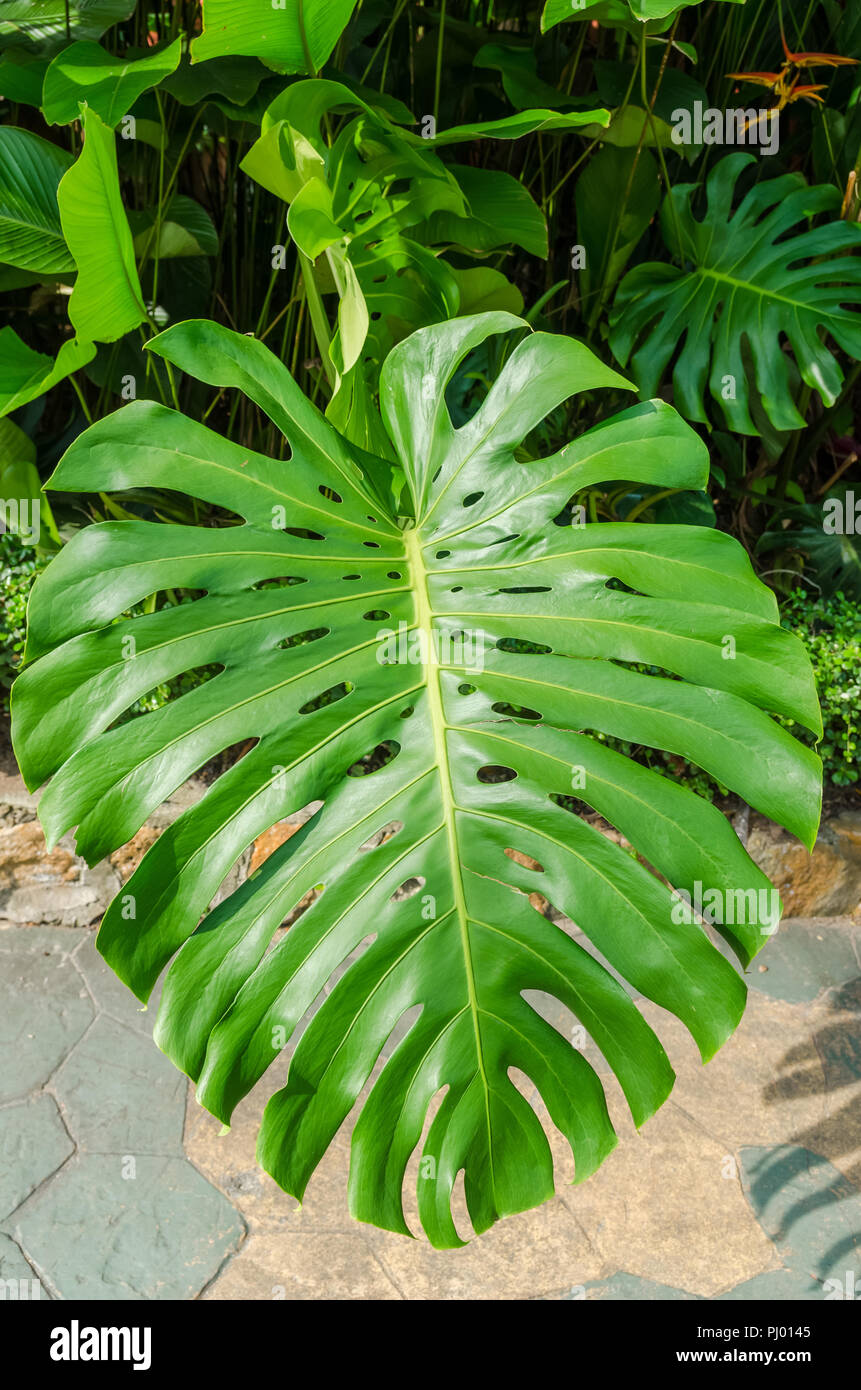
(473, 648)
(831, 631)
(750, 286)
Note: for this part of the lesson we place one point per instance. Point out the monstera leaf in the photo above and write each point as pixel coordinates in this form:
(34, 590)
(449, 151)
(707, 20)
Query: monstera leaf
(753, 280)
(476, 651)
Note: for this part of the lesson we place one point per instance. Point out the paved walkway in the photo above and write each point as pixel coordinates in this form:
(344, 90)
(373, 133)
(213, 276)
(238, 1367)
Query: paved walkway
(115, 1184)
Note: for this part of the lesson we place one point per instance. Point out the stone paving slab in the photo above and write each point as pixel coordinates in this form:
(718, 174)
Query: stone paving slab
(139, 1104)
(44, 1006)
(97, 1195)
(34, 1143)
(118, 1227)
(18, 1280)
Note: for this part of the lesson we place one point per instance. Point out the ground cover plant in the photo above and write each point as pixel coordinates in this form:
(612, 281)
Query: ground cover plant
(434, 407)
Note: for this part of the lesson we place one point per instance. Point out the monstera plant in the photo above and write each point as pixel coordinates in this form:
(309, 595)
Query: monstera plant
(478, 649)
(751, 280)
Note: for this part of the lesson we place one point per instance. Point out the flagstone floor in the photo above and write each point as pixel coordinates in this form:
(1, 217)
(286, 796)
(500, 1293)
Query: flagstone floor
(115, 1184)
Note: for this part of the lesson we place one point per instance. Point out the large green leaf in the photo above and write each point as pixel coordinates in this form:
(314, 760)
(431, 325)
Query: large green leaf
(754, 280)
(296, 609)
(524, 123)
(30, 232)
(26, 374)
(498, 210)
(621, 12)
(19, 482)
(50, 24)
(521, 83)
(288, 35)
(368, 201)
(106, 301)
(21, 76)
(617, 195)
(109, 85)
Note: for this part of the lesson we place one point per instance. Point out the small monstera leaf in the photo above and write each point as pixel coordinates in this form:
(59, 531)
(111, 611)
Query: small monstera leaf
(750, 285)
(478, 652)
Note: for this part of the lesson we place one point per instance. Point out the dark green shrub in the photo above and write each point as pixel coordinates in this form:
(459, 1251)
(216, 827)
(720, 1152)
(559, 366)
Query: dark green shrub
(831, 631)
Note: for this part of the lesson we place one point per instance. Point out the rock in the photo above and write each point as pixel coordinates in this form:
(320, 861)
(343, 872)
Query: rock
(63, 905)
(272, 839)
(127, 859)
(25, 858)
(826, 883)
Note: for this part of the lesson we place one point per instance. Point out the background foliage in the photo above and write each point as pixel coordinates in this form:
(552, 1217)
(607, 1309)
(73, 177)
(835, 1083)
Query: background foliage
(331, 184)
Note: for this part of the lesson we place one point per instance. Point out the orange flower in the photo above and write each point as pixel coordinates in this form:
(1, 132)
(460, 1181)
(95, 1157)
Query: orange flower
(812, 60)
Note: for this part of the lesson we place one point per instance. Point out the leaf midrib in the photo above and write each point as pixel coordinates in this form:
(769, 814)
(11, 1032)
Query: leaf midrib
(424, 621)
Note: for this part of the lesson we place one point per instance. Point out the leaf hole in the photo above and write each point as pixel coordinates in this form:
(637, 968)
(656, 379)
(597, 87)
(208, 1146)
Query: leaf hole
(282, 582)
(521, 647)
(299, 639)
(378, 758)
(524, 860)
(528, 589)
(303, 534)
(327, 697)
(515, 711)
(380, 837)
(329, 493)
(493, 772)
(408, 889)
(471, 499)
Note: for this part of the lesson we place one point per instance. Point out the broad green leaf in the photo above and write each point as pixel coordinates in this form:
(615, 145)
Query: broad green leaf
(756, 279)
(15, 445)
(106, 301)
(186, 230)
(283, 160)
(26, 374)
(520, 80)
(310, 221)
(630, 128)
(482, 289)
(21, 75)
(355, 201)
(289, 36)
(11, 278)
(235, 78)
(500, 210)
(609, 223)
(831, 551)
(354, 318)
(621, 12)
(31, 236)
(109, 85)
(477, 651)
(19, 483)
(50, 24)
(523, 123)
